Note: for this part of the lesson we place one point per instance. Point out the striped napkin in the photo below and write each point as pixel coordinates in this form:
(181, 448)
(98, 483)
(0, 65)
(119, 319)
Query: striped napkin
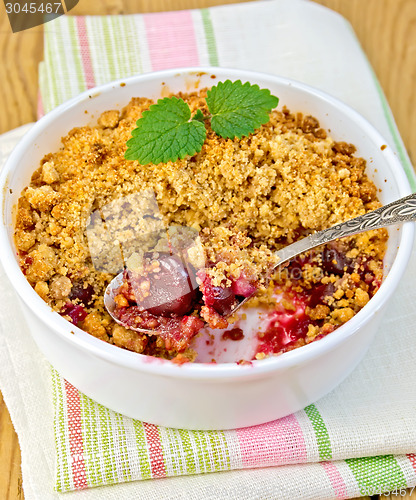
(360, 439)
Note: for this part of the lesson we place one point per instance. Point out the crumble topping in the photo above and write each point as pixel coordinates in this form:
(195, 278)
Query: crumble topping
(244, 198)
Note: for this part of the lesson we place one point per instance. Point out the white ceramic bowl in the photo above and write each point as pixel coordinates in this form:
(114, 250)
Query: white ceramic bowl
(202, 396)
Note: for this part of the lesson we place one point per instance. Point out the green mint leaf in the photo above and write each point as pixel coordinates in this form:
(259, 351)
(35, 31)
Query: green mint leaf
(165, 133)
(239, 109)
(199, 115)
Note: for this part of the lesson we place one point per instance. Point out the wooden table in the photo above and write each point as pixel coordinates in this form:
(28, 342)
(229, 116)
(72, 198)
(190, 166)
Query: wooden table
(385, 28)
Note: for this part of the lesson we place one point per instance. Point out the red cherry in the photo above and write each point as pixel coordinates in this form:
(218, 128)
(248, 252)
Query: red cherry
(220, 299)
(334, 262)
(76, 312)
(84, 295)
(170, 288)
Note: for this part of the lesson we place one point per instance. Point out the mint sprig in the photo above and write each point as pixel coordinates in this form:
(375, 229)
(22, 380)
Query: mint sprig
(237, 109)
(167, 132)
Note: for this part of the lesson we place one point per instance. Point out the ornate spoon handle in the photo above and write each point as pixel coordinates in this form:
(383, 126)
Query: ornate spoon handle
(403, 210)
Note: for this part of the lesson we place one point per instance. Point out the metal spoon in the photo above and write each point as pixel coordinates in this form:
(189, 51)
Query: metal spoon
(396, 212)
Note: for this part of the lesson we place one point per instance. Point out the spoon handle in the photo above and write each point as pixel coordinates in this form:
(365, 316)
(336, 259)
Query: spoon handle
(402, 210)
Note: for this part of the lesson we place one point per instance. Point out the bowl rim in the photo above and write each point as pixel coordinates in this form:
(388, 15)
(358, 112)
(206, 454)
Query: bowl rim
(211, 371)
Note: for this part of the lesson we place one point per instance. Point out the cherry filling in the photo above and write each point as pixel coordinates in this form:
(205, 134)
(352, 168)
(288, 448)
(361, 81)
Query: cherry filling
(80, 298)
(243, 287)
(318, 294)
(233, 334)
(285, 329)
(177, 332)
(81, 293)
(336, 262)
(161, 297)
(306, 302)
(222, 300)
(76, 312)
(164, 288)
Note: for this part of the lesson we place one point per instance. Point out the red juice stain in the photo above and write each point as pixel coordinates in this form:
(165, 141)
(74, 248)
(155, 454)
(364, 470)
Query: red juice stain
(285, 327)
(234, 334)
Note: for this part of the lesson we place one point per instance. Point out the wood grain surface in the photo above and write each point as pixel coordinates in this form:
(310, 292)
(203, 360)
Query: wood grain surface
(385, 28)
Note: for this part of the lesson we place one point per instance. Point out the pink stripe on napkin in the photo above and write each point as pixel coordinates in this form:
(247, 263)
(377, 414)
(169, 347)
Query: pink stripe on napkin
(412, 459)
(171, 40)
(337, 483)
(40, 110)
(274, 443)
(155, 450)
(75, 436)
(85, 52)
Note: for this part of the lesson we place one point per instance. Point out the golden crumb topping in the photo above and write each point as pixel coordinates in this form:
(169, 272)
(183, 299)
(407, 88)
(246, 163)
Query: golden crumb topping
(245, 198)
